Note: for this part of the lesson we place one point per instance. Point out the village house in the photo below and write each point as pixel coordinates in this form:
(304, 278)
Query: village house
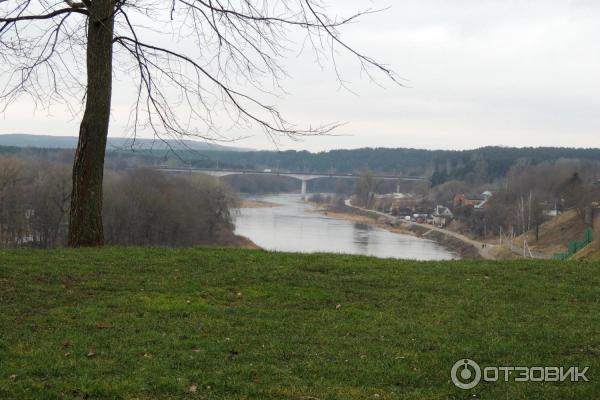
(402, 212)
(486, 195)
(552, 207)
(477, 201)
(403, 204)
(442, 216)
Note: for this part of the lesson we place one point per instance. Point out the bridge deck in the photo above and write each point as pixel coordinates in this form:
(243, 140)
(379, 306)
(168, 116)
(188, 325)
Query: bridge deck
(296, 175)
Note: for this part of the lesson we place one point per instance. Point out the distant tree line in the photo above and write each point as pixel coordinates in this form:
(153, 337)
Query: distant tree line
(141, 207)
(34, 198)
(479, 166)
(262, 184)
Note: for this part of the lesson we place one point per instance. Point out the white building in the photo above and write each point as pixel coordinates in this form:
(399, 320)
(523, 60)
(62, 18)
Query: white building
(442, 216)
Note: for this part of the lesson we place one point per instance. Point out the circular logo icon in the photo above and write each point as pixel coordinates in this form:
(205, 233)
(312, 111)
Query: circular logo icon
(466, 374)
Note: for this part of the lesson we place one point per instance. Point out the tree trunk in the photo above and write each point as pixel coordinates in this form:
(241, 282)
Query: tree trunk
(85, 219)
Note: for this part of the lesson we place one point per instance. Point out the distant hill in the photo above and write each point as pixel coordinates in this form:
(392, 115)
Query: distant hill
(70, 142)
(482, 165)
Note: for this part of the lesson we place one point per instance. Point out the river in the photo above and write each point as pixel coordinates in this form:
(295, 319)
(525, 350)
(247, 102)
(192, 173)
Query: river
(295, 226)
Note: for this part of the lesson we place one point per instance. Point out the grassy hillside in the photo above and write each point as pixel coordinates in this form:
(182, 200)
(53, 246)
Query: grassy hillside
(590, 253)
(556, 233)
(247, 324)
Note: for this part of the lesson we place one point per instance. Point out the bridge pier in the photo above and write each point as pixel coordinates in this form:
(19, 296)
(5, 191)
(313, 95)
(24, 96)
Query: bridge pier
(303, 177)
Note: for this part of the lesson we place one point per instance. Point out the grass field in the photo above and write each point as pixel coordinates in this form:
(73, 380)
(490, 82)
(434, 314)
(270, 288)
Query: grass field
(247, 324)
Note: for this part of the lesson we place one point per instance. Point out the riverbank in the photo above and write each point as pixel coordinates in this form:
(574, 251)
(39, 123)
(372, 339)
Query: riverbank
(230, 239)
(248, 203)
(457, 246)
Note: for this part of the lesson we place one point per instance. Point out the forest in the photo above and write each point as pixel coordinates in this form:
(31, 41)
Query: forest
(480, 166)
(484, 164)
(141, 207)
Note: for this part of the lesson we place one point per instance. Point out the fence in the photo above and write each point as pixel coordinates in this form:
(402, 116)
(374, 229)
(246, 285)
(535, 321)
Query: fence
(576, 245)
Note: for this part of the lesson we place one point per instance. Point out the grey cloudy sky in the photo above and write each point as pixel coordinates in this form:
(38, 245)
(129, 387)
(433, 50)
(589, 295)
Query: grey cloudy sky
(480, 72)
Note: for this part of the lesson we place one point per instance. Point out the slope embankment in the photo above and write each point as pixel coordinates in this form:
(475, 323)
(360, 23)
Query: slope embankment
(248, 324)
(555, 234)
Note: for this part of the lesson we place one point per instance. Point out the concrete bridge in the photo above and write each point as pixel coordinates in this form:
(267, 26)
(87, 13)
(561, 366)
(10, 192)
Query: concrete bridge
(303, 177)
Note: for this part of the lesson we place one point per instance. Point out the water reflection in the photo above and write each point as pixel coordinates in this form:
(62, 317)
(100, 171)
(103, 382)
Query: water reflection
(362, 235)
(294, 226)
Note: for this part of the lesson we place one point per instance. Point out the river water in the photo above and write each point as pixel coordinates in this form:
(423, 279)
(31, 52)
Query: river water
(295, 226)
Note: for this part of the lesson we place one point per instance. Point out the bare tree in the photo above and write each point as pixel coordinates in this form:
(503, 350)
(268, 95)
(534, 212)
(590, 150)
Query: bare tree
(237, 45)
(49, 199)
(12, 206)
(366, 188)
(147, 208)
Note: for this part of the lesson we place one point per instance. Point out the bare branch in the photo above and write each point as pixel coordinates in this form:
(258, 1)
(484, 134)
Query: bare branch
(11, 20)
(183, 90)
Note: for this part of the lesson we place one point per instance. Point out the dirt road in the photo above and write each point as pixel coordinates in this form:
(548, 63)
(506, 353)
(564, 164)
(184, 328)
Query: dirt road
(484, 249)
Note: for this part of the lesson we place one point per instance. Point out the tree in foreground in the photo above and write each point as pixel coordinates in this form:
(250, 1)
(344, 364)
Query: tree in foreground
(190, 62)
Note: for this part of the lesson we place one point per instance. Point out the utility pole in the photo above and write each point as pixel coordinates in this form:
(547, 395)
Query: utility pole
(523, 214)
(529, 216)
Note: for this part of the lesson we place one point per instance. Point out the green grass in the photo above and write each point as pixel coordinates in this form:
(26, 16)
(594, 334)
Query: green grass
(243, 324)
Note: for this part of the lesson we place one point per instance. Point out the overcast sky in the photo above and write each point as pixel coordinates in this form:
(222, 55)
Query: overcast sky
(479, 72)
